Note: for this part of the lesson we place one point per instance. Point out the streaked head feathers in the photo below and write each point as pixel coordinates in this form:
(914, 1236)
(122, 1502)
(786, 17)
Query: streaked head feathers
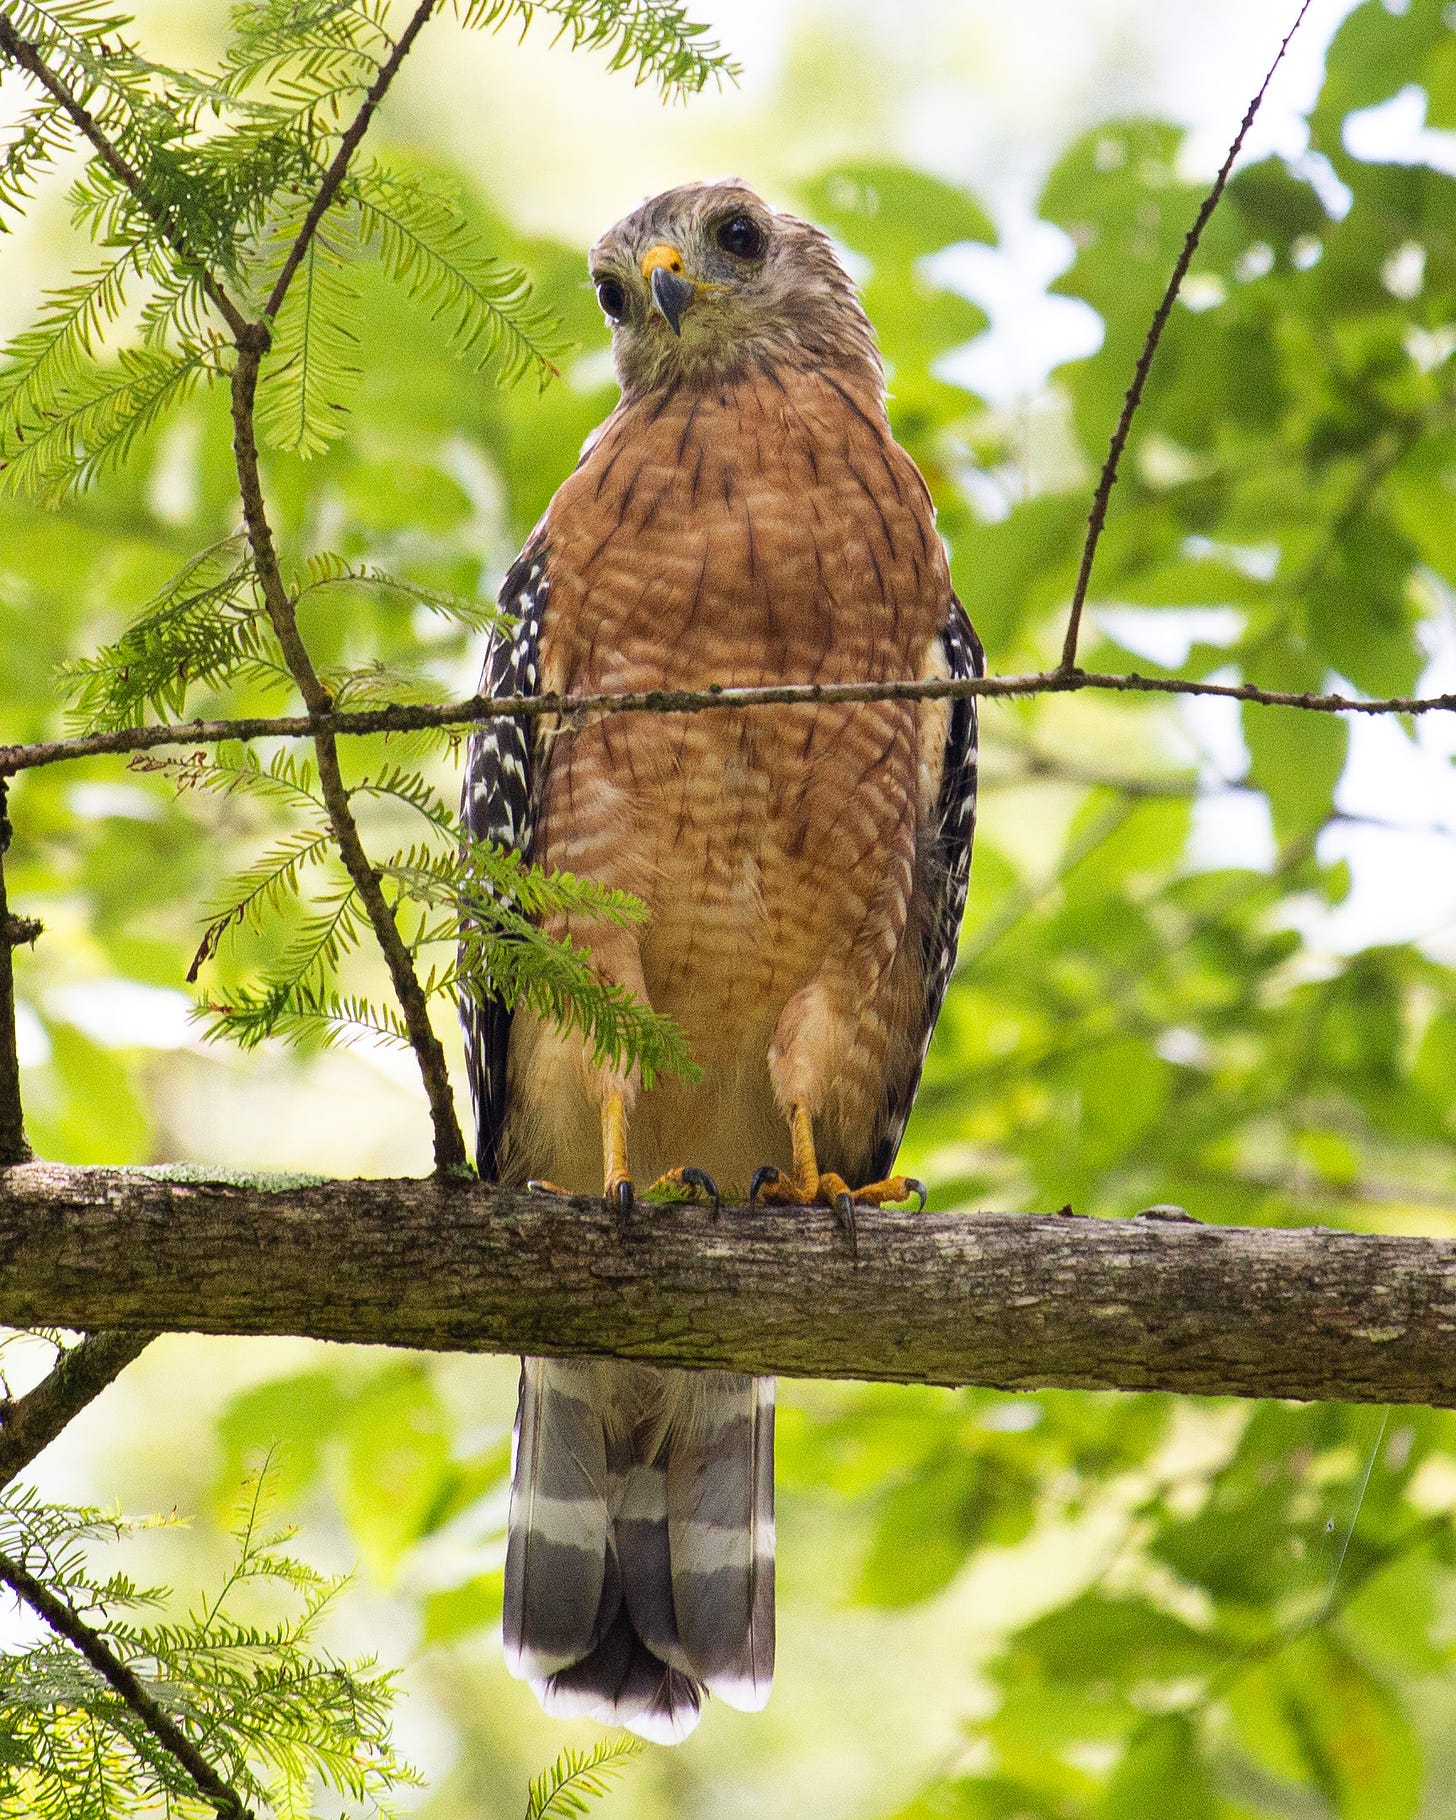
(705, 282)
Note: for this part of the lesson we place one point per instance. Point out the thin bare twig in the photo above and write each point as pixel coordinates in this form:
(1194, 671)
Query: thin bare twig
(348, 145)
(415, 717)
(83, 1371)
(450, 1152)
(13, 1145)
(1108, 479)
(93, 1646)
(29, 58)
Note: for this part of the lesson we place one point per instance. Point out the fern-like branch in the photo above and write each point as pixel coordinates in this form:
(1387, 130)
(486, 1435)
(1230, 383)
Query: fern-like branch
(311, 370)
(426, 246)
(564, 1788)
(201, 629)
(99, 420)
(656, 38)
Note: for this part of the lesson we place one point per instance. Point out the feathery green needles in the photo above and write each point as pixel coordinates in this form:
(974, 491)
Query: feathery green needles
(217, 174)
(277, 1714)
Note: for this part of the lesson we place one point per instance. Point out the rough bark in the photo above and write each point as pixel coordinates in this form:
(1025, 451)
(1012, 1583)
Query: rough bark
(1009, 1301)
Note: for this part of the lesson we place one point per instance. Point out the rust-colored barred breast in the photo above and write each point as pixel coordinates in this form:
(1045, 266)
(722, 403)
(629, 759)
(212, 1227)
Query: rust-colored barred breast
(768, 530)
(744, 517)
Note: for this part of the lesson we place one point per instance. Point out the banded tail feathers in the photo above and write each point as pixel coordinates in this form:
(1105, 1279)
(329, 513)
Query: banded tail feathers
(640, 1561)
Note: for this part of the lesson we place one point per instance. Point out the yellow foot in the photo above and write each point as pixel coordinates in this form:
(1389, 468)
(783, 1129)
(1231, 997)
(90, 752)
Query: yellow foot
(685, 1185)
(774, 1188)
(811, 1187)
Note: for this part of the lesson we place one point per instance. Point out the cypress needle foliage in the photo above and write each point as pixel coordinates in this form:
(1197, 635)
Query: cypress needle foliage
(577, 1775)
(225, 163)
(220, 169)
(242, 1673)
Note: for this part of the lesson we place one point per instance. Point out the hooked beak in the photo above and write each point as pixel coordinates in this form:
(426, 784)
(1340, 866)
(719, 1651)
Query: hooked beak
(671, 295)
(672, 291)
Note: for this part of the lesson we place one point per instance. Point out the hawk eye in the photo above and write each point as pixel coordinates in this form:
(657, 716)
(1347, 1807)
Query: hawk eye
(612, 298)
(742, 237)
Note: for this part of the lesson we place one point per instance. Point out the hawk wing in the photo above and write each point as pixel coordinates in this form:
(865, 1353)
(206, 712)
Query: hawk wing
(498, 803)
(944, 875)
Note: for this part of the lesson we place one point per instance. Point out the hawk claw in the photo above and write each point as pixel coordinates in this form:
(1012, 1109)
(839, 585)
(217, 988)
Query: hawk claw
(844, 1214)
(619, 1196)
(762, 1178)
(699, 1178)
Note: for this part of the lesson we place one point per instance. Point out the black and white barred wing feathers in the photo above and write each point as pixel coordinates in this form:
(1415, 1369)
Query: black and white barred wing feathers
(498, 803)
(945, 873)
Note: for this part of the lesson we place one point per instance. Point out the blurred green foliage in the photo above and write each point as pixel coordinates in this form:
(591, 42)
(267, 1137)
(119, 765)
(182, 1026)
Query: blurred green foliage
(1270, 1626)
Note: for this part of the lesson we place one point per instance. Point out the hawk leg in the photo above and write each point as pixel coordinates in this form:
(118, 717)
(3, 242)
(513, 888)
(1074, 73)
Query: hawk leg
(617, 1189)
(812, 1187)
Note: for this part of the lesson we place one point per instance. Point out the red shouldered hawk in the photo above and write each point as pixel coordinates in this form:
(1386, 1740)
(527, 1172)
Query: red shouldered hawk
(744, 516)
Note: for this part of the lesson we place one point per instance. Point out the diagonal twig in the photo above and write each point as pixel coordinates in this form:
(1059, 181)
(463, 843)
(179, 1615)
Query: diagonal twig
(1108, 478)
(348, 145)
(450, 1152)
(28, 57)
(29, 1424)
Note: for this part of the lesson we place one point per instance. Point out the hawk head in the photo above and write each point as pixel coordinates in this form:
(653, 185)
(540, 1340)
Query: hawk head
(707, 281)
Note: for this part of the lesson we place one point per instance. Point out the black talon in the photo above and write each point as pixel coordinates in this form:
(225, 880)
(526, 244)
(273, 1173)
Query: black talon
(699, 1178)
(844, 1213)
(622, 1195)
(762, 1178)
(917, 1188)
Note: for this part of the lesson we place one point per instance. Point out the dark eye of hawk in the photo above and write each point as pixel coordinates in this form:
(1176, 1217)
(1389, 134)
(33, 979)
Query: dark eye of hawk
(612, 298)
(742, 237)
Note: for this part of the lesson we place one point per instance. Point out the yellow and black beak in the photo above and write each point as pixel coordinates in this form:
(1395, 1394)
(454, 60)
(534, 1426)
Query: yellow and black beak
(672, 290)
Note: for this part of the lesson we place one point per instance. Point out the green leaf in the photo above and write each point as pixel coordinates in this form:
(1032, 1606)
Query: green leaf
(1296, 760)
(397, 1458)
(657, 38)
(94, 422)
(201, 629)
(461, 1611)
(1317, 1716)
(1161, 1772)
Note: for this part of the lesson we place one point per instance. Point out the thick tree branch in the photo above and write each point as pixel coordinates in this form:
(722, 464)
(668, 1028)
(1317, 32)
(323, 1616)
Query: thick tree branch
(1008, 1301)
(450, 1153)
(224, 1799)
(412, 717)
(30, 1423)
(1108, 478)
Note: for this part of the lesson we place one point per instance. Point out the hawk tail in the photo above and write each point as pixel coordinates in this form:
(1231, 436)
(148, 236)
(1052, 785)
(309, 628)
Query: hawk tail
(640, 1560)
